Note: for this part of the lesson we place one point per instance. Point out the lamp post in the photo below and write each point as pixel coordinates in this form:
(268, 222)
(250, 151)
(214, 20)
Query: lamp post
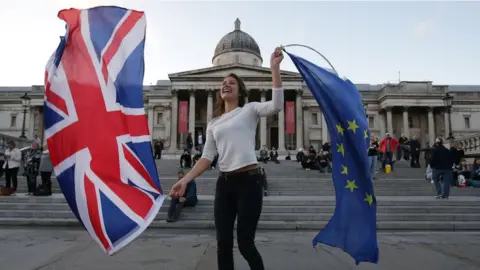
(365, 108)
(447, 101)
(25, 103)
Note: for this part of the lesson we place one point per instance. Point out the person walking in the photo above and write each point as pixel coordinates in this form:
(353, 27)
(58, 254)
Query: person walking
(441, 162)
(239, 187)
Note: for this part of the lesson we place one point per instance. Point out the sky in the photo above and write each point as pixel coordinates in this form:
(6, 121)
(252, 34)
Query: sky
(367, 42)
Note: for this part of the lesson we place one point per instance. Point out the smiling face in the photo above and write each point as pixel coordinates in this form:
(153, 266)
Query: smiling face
(229, 90)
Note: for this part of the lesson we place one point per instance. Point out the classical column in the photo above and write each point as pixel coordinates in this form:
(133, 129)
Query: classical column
(406, 128)
(191, 113)
(209, 104)
(389, 121)
(31, 122)
(446, 121)
(150, 120)
(174, 130)
(281, 129)
(263, 120)
(383, 124)
(431, 126)
(299, 119)
(324, 129)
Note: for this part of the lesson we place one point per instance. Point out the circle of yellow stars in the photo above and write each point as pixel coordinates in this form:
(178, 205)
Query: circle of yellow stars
(352, 126)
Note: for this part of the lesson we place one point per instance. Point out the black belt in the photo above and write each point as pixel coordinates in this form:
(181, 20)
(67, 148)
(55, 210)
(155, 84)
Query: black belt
(255, 171)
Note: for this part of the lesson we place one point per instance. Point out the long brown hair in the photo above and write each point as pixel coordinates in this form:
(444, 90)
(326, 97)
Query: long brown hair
(219, 108)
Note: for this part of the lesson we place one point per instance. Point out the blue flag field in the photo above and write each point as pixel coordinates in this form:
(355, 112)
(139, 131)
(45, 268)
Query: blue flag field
(353, 225)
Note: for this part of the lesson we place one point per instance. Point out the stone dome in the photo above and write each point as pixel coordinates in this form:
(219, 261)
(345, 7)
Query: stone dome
(238, 45)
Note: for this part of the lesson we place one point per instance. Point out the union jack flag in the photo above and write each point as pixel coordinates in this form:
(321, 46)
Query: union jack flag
(96, 127)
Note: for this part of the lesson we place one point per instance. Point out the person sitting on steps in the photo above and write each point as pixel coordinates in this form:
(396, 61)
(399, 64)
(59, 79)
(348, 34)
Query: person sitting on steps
(274, 155)
(264, 155)
(189, 199)
(185, 159)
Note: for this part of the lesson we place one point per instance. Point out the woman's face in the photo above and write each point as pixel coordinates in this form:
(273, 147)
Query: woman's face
(464, 163)
(229, 90)
(478, 162)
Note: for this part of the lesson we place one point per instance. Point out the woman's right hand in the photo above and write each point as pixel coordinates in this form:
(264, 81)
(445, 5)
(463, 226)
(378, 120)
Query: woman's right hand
(178, 190)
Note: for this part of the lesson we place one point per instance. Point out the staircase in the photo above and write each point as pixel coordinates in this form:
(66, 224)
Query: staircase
(298, 200)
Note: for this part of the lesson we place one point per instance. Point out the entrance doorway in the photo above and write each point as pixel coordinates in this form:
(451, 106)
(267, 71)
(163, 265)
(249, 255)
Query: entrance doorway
(273, 138)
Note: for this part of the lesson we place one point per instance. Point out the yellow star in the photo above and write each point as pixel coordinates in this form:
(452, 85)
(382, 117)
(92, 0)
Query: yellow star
(351, 185)
(368, 199)
(341, 149)
(340, 129)
(344, 169)
(352, 125)
(365, 134)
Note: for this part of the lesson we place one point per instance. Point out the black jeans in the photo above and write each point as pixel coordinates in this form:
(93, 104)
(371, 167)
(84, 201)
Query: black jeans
(46, 180)
(31, 183)
(11, 177)
(238, 195)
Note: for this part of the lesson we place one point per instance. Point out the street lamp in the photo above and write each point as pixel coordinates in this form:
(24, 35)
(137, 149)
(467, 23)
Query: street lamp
(447, 101)
(365, 108)
(25, 103)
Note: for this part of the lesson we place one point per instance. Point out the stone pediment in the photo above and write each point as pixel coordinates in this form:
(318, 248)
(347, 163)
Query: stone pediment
(219, 72)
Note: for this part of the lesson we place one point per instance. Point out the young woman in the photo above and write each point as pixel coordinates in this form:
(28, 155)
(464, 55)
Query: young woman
(13, 158)
(239, 186)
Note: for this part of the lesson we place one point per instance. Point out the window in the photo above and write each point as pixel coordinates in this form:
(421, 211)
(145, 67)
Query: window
(159, 118)
(13, 121)
(466, 121)
(237, 58)
(315, 119)
(371, 122)
(255, 61)
(410, 122)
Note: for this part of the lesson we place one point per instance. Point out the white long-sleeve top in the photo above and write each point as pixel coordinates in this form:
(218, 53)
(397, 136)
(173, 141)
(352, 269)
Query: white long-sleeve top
(14, 157)
(232, 135)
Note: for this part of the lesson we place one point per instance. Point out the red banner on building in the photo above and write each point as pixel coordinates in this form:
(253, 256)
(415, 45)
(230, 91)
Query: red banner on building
(290, 117)
(183, 116)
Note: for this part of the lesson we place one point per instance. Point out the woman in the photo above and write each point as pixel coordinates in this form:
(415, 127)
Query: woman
(32, 161)
(372, 155)
(13, 157)
(239, 185)
(46, 170)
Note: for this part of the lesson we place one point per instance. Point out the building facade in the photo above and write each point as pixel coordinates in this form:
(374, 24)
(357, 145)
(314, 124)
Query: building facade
(407, 107)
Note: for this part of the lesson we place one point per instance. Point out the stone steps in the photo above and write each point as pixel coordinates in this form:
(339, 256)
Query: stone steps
(286, 217)
(328, 209)
(282, 213)
(263, 225)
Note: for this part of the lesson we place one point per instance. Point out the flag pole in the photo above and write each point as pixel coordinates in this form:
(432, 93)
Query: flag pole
(308, 47)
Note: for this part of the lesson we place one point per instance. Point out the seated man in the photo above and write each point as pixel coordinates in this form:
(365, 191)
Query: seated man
(196, 157)
(308, 161)
(274, 155)
(322, 163)
(264, 154)
(189, 199)
(300, 155)
(185, 159)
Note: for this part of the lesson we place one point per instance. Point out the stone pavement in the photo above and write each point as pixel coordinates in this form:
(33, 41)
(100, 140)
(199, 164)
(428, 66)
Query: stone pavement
(44, 249)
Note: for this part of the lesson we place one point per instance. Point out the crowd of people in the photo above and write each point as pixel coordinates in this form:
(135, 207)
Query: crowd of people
(32, 162)
(442, 165)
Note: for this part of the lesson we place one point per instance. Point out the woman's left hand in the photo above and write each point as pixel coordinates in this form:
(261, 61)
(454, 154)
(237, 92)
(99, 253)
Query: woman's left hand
(276, 58)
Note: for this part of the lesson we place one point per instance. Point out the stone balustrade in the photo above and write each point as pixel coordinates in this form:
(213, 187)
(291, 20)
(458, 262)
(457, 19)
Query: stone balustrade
(471, 144)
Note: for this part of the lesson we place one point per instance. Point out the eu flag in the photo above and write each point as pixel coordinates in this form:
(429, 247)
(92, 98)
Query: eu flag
(353, 225)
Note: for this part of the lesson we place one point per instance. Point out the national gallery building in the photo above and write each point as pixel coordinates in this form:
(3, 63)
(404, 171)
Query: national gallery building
(184, 104)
